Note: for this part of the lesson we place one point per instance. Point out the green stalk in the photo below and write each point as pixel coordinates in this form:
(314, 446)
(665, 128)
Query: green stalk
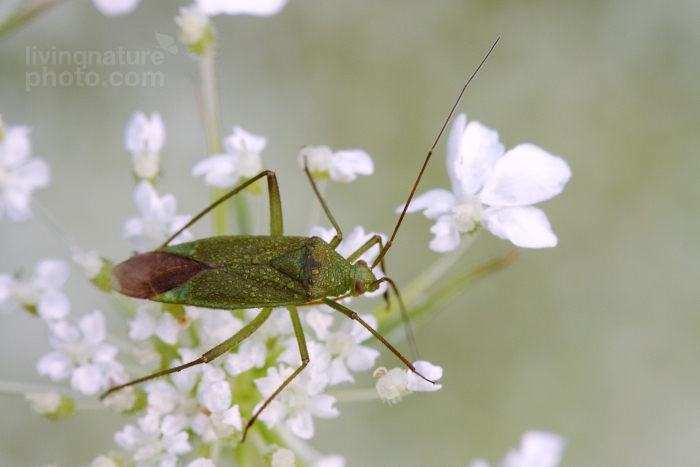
(389, 323)
(23, 13)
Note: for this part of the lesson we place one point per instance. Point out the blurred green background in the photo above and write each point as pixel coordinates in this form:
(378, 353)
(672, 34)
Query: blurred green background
(597, 339)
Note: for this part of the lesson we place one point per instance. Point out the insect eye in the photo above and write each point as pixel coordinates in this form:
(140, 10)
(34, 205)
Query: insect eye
(361, 261)
(359, 288)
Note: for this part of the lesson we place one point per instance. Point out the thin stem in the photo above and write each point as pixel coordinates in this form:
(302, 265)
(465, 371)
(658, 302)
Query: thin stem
(211, 118)
(10, 388)
(23, 13)
(354, 395)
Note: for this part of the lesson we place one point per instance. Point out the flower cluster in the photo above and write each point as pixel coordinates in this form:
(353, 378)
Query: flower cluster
(188, 416)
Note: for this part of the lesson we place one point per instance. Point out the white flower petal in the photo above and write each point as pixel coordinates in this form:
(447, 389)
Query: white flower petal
(347, 164)
(33, 175)
(330, 461)
(527, 174)
(142, 326)
(217, 397)
(56, 365)
(116, 7)
(241, 140)
(477, 154)
(319, 322)
(322, 406)
(282, 458)
(537, 449)
(241, 7)
(338, 373)
(201, 462)
(363, 358)
(87, 379)
(93, 327)
(524, 226)
(446, 235)
(167, 329)
(436, 203)
(427, 369)
(53, 306)
(302, 425)
(232, 417)
(144, 134)
(51, 274)
(16, 146)
(220, 171)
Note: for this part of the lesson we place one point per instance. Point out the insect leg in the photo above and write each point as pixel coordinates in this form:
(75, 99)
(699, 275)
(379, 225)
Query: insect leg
(276, 225)
(352, 315)
(338, 234)
(220, 349)
(404, 316)
(301, 341)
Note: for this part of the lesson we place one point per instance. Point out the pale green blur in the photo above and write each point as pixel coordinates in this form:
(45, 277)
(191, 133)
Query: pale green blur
(597, 339)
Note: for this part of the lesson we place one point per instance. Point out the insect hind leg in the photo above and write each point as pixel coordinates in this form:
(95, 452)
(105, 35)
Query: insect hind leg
(304, 354)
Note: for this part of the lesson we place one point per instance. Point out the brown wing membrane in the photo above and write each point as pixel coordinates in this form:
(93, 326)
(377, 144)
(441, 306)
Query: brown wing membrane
(150, 274)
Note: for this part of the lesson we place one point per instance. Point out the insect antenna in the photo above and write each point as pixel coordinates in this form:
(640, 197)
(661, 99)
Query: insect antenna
(430, 153)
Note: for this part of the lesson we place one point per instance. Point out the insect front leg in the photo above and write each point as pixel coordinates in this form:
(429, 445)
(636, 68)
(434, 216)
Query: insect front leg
(304, 353)
(217, 351)
(352, 315)
(376, 239)
(276, 224)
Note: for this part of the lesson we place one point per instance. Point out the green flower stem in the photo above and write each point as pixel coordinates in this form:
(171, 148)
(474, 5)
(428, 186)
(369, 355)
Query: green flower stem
(437, 300)
(354, 395)
(22, 13)
(10, 388)
(211, 117)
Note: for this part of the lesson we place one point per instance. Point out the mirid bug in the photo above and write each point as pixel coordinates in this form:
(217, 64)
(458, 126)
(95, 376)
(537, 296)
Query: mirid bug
(240, 272)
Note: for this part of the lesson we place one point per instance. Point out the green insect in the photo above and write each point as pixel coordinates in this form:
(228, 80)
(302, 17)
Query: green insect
(239, 272)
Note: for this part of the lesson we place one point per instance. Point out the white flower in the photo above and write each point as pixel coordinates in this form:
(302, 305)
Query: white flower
(241, 7)
(341, 166)
(396, 383)
(392, 385)
(537, 449)
(493, 189)
(343, 345)
(350, 244)
(196, 29)
(151, 320)
(20, 174)
(155, 442)
(44, 402)
(242, 159)
(103, 461)
(296, 404)
(144, 138)
(43, 293)
(330, 461)
(89, 261)
(157, 222)
(201, 462)
(116, 7)
(283, 458)
(81, 355)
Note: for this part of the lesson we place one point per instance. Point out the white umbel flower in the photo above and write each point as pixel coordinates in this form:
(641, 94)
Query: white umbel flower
(81, 355)
(144, 138)
(341, 166)
(157, 222)
(241, 160)
(116, 7)
(20, 174)
(241, 7)
(492, 188)
(297, 403)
